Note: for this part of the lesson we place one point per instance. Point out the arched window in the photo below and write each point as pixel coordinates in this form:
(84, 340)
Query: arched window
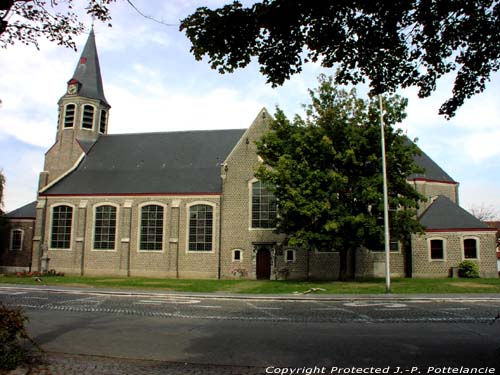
(105, 227)
(263, 206)
(62, 220)
(200, 227)
(88, 117)
(470, 248)
(151, 236)
(102, 122)
(16, 239)
(69, 116)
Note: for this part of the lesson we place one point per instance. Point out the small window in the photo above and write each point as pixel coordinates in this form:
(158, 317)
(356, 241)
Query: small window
(102, 123)
(88, 117)
(237, 255)
(437, 249)
(16, 240)
(470, 248)
(105, 228)
(69, 116)
(290, 255)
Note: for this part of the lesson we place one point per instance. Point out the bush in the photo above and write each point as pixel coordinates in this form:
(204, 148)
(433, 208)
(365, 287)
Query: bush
(12, 329)
(468, 269)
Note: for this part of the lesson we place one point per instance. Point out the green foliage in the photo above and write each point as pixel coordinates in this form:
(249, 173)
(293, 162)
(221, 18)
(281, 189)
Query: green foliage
(468, 269)
(12, 329)
(392, 43)
(326, 172)
(25, 21)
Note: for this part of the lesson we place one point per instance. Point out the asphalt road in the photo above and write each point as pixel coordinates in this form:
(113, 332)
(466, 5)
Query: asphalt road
(415, 335)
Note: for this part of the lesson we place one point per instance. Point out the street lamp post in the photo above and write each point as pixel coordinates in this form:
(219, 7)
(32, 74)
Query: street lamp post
(386, 208)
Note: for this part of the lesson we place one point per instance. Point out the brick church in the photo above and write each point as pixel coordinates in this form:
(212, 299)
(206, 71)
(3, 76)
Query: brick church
(187, 205)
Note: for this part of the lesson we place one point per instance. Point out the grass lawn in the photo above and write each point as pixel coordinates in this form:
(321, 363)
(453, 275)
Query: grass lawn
(363, 286)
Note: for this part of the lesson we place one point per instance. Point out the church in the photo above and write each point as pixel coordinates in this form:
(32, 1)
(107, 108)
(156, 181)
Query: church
(186, 204)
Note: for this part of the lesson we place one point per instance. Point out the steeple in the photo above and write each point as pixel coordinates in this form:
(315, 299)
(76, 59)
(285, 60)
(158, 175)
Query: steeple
(87, 76)
(83, 115)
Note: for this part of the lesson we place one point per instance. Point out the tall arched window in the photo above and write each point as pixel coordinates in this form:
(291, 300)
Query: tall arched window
(200, 227)
(88, 117)
(102, 122)
(105, 228)
(151, 236)
(62, 220)
(263, 206)
(69, 116)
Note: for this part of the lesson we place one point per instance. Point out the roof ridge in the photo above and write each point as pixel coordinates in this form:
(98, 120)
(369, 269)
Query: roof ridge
(172, 132)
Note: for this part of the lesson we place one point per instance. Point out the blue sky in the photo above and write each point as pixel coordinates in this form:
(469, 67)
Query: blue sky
(153, 83)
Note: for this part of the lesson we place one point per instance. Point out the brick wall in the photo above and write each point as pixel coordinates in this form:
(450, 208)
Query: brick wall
(423, 266)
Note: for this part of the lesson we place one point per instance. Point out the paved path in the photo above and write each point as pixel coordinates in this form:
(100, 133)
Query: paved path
(65, 364)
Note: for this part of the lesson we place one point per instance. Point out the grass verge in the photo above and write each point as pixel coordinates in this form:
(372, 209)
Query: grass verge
(360, 286)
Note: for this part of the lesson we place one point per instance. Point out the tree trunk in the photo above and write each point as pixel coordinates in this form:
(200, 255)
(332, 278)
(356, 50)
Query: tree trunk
(343, 265)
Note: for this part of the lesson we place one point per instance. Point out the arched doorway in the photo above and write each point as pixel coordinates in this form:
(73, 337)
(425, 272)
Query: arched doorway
(263, 264)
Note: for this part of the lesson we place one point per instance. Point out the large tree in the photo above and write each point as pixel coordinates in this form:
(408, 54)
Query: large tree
(393, 44)
(325, 171)
(25, 21)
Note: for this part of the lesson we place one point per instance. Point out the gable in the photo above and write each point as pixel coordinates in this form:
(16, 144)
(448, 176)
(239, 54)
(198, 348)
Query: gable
(444, 214)
(151, 163)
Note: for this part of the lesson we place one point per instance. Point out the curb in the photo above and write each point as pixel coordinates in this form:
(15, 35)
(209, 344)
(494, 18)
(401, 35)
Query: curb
(263, 297)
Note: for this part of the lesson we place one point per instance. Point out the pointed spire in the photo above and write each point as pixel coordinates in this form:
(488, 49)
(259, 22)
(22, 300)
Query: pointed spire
(88, 72)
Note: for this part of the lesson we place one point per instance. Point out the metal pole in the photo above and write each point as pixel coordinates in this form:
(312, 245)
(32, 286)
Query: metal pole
(386, 205)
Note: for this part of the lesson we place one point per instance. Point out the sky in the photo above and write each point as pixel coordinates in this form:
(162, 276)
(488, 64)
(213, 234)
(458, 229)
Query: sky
(153, 83)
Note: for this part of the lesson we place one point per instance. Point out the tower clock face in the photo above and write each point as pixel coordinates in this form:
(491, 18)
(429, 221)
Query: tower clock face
(72, 89)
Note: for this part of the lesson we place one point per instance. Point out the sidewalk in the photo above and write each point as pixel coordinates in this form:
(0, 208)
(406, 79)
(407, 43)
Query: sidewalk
(70, 364)
(272, 297)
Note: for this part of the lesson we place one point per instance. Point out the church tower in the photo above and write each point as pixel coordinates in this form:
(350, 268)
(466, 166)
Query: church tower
(83, 116)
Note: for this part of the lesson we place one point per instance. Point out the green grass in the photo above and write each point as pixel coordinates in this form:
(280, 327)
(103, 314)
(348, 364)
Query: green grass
(363, 286)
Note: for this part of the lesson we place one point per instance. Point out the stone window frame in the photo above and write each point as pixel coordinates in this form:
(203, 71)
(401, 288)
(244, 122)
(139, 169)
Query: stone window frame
(214, 225)
(478, 247)
(21, 240)
(66, 115)
(139, 226)
(445, 252)
(94, 222)
(82, 115)
(294, 255)
(51, 227)
(250, 207)
(101, 124)
(233, 255)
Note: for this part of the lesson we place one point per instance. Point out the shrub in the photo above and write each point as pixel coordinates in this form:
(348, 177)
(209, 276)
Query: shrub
(12, 330)
(468, 269)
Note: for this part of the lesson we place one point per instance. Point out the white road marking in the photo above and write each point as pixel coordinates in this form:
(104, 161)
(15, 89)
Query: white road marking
(33, 297)
(178, 301)
(13, 293)
(456, 309)
(209, 307)
(368, 304)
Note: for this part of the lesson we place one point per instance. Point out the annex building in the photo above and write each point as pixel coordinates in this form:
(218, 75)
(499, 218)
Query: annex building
(187, 205)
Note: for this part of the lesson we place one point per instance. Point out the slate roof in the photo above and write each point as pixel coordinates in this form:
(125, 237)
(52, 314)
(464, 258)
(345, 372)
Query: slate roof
(432, 171)
(173, 162)
(25, 212)
(445, 214)
(88, 72)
